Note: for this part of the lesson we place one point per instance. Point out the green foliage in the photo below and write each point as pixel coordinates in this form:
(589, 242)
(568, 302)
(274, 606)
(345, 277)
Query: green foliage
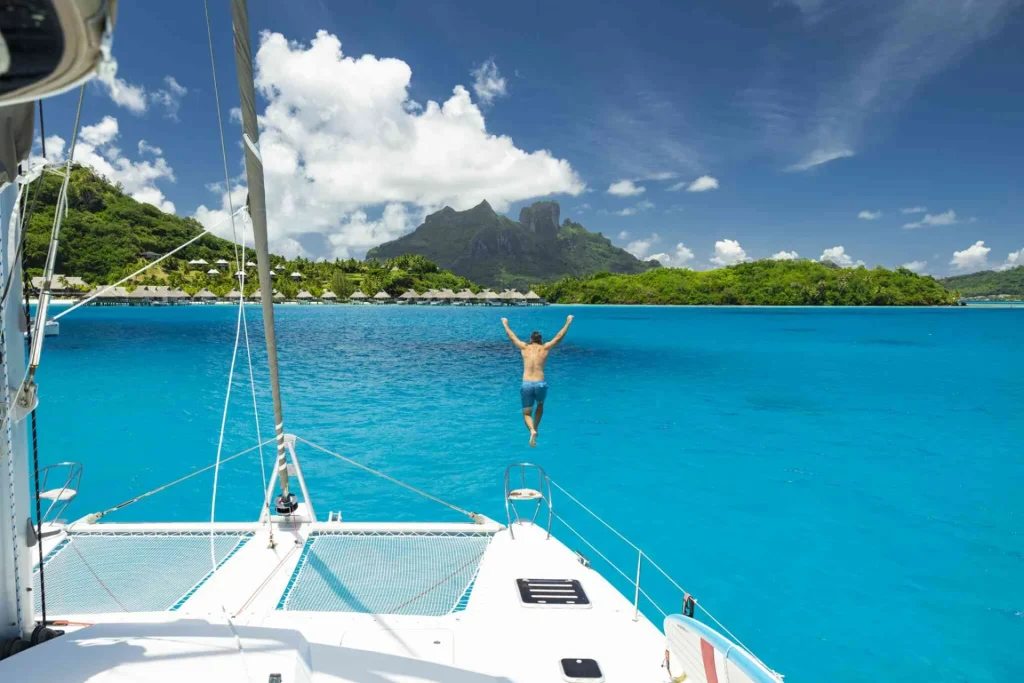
(763, 283)
(372, 283)
(988, 283)
(342, 286)
(106, 232)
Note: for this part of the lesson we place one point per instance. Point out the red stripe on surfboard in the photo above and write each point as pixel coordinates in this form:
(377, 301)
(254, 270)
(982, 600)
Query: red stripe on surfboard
(707, 653)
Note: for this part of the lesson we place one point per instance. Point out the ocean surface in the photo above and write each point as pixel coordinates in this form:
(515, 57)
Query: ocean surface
(841, 487)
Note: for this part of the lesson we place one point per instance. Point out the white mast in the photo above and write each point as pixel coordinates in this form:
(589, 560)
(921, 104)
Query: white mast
(286, 502)
(16, 604)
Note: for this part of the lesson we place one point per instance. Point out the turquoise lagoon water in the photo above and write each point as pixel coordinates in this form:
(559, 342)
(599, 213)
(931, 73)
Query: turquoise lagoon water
(841, 487)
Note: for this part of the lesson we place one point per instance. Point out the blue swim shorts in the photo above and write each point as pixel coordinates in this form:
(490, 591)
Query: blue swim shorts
(533, 392)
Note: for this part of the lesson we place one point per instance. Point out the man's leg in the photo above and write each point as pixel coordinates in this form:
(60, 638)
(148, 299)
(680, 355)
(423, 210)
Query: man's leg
(539, 413)
(528, 419)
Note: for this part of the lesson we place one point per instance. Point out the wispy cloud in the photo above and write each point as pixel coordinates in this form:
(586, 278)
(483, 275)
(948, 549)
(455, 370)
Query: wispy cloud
(701, 184)
(488, 83)
(944, 218)
(914, 209)
(818, 157)
(661, 175)
(869, 215)
(169, 97)
(124, 94)
(888, 48)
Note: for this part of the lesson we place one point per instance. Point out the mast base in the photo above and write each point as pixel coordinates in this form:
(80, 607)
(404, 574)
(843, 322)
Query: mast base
(286, 505)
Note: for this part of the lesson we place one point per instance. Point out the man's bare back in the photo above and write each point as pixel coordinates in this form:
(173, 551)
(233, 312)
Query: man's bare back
(535, 388)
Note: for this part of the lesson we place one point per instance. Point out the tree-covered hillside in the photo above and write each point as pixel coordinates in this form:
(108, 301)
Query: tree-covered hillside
(497, 251)
(988, 283)
(767, 283)
(106, 233)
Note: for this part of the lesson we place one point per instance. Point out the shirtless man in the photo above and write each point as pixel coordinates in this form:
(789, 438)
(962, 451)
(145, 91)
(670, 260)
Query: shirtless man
(535, 389)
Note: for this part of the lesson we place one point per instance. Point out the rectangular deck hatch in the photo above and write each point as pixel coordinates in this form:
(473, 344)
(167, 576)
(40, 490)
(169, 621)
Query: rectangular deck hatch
(552, 593)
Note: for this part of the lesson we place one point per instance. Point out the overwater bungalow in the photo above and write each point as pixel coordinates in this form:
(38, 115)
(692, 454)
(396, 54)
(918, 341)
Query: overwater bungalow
(464, 298)
(358, 297)
(381, 297)
(490, 298)
(204, 296)
(62, 285)
(304, 297)
(329, 297)
(533, 298)
(233, 295)
(409, 296)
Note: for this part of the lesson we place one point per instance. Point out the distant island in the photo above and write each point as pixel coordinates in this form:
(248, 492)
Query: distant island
(988, 284)
(498, 252)
(759, 283)
(107, 235)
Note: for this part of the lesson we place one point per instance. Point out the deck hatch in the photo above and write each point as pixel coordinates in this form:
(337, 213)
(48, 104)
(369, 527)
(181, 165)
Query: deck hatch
(552, 593)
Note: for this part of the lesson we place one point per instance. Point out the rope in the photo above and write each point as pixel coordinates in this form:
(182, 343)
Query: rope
(35, 467)
(234, 352)
(97, 515)
(472, 515)
(92, 297)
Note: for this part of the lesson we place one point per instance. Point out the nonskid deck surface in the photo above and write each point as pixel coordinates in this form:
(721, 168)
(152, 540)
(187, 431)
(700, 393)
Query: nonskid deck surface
(487, 633)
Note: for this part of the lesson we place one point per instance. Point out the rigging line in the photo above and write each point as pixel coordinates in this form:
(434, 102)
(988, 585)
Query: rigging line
(42, 129)
(97, 515)
(472, 515)
(35, 467)
(36, 350)
(252, 387)
(71, 542)
(630, 581)
(616, 532)
(25, 218)
(239, 260)
(92, 297)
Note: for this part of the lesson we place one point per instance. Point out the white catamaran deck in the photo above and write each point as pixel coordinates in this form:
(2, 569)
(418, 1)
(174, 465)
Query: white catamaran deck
(491, 635)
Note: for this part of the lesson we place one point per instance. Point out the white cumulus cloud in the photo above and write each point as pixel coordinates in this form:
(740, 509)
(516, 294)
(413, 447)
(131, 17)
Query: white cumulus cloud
(626, 188)
(838, 256)
(123, 93)
(95, 148)
(728, 253)
(1013, 259)
(703, 184)
(869, 215)
(974, 257)
(784, 256)
(488, 83)
(641, 248)
(341, 141)
(915, 266)
(944, 218)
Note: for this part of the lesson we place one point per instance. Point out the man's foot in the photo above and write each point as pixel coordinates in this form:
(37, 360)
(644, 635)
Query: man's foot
(533, 438)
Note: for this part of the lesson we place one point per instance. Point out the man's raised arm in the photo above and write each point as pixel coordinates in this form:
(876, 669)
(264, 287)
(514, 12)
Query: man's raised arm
(561, 333)
(512, 335)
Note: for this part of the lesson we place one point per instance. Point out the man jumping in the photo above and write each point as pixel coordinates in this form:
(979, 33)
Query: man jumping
(535, 389)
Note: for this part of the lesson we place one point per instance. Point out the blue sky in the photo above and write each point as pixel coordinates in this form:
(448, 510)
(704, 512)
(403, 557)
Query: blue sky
(809, 125)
